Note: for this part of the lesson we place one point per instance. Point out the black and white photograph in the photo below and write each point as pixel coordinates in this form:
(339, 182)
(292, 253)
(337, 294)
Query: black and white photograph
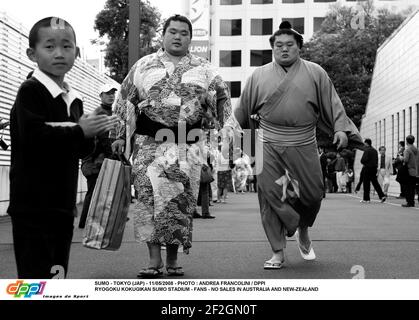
(209, 149)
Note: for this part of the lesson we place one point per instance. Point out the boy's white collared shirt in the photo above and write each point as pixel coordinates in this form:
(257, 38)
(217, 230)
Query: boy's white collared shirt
(68, 94)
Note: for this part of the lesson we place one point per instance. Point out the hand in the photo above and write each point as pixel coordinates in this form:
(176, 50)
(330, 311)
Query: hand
(93, 125)
(255, 117)
(118, 146)
(340, 138)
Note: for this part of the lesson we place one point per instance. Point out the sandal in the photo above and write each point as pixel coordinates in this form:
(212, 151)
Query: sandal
(175, 271)
(269, 265)
(306, 254)
(150, 272)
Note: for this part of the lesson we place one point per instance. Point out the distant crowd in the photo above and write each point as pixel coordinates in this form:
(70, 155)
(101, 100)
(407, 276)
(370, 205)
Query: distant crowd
(339, 175)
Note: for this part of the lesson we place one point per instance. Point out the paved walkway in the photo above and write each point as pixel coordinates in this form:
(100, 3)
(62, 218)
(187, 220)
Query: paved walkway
(382, 239)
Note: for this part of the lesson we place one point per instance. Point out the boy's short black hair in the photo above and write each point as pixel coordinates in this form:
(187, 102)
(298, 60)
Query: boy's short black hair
(177, 17)
(368, 142)
(410, 139)
(45, 23)
(286, 28)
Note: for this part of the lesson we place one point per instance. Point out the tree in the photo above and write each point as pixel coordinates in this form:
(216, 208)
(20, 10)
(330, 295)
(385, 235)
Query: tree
(112, 22)
(348, 54)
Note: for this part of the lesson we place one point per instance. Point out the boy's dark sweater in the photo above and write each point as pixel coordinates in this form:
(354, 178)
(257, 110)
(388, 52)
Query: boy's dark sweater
(44, 159)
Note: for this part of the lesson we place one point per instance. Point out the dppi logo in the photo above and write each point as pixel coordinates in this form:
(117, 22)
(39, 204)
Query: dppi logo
(27, 290)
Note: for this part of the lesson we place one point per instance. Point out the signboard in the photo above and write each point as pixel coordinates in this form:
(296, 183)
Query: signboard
(200, 16)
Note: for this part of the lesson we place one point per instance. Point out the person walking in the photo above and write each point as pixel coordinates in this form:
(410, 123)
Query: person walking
(398, 164)
(411, 161)
(370, 162)
(331, 175)
(204, 187)
(360, 180)
(287, 99)
(340, 168)
(168, 93)
(224, 173)
(385, 169)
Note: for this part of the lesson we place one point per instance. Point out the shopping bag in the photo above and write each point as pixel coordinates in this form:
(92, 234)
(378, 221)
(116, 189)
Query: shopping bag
(109, 206)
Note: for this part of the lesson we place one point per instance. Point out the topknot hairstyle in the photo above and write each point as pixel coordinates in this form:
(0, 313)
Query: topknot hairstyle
(286, 28)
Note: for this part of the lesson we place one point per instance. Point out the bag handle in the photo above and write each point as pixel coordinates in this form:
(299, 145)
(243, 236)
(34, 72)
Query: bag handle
(121, 157)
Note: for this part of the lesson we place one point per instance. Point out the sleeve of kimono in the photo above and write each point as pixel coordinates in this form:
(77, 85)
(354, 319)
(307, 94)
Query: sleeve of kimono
(223, 101)
(125, 103)
(331, 105)
(333, 117)
(241, 112)
(224, 113)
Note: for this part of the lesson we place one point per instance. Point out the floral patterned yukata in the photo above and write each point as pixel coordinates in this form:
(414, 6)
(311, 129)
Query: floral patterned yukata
(157, 94)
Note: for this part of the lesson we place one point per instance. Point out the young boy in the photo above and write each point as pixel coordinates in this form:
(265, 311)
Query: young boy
(49, 134)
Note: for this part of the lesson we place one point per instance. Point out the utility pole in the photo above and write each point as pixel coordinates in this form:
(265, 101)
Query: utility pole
(134, 32)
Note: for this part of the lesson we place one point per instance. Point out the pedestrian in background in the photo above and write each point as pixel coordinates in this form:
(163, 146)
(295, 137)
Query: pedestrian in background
(241, 172)
(204, 187)
(331, 175)
(385, 169)
(103, 149)
(411, 161)
(370, 162)
(224, 174)
(251, 184)
(349, 180)
(360, 181)
(398, 163)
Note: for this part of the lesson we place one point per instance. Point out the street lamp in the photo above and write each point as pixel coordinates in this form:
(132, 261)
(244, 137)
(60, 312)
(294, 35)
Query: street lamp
(134, 32)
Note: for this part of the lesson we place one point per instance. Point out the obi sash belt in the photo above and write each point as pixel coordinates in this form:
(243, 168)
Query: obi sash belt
(285, 136)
